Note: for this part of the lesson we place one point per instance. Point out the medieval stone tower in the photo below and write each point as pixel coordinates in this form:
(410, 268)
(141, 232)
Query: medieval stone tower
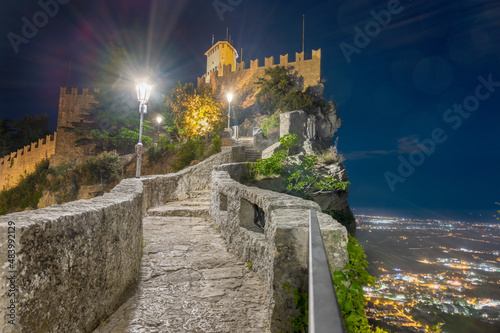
(72, 145)
(227, 74)
(218, 56)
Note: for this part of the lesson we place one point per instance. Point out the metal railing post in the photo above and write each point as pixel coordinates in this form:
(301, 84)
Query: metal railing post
(324, 311)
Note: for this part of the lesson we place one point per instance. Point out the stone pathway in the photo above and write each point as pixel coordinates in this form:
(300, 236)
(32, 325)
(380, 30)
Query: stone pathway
(251, 154)
(188, 281)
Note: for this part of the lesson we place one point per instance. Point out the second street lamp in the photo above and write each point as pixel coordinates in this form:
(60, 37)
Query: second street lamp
(158, 120)
(229, 99)
(143, 93)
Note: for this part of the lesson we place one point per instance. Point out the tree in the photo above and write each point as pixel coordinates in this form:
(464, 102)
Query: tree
(190, 112)
(114, 118)
(19, 133)
(277, 91)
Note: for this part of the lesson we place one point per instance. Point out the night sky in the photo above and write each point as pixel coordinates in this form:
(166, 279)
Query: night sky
(417, 83)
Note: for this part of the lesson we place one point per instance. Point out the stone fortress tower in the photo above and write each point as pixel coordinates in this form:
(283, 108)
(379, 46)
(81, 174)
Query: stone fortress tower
(71, 118)
(59, 147)
(224, 73)
(218, 56)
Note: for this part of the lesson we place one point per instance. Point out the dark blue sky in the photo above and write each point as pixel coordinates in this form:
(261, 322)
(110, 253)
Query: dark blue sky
(421, 122)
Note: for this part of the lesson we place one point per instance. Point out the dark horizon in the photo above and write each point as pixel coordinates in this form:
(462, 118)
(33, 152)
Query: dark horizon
(480, 216)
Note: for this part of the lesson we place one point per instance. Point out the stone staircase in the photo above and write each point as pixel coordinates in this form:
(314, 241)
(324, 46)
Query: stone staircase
(189, 282)
(251, 154)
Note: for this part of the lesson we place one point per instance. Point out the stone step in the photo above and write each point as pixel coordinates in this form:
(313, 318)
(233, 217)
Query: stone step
(185, 211)
(197, 205)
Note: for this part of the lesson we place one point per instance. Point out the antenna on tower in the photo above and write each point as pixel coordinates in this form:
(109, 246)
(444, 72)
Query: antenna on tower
(303, 30)
(213, 37)
(69, 73)
(227, 34)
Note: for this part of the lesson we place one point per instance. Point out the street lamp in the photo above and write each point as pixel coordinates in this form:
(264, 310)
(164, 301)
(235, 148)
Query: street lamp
(158, 120)
(229, 99)
(143, 93)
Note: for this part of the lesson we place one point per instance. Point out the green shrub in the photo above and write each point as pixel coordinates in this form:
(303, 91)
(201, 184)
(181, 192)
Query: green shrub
(271, 122)
(27, 192)
(188, 151)
(348, 284)
(155, 153)
(331, 155)
(299, 324)
(104, 167)
(216, 148)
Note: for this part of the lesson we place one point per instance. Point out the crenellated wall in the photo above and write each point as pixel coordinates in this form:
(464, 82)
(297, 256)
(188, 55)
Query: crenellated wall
(243, 79)
(59, 147)
(23, 161)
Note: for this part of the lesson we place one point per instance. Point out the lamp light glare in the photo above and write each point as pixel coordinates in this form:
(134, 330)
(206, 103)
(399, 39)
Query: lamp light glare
(229, 97)
(143, 92)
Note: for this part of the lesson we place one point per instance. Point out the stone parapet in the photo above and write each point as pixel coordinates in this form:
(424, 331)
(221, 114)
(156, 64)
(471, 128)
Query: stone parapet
(279, 253)
(74, 262)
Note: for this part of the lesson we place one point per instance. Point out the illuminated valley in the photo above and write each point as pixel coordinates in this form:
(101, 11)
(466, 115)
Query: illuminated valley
(430, 272)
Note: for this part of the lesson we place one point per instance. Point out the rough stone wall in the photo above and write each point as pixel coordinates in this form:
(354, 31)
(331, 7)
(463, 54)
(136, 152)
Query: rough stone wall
(279, 253)
(72, 110)
(75, 261)
(23, 161)
(243, 79)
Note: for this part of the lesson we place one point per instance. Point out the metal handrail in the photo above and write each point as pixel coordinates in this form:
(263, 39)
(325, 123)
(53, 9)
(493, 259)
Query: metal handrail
(324, 311)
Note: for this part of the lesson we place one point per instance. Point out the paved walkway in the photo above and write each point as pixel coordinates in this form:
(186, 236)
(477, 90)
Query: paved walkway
(188, 281)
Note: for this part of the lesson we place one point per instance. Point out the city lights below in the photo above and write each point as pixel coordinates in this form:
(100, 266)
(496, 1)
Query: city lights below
(425, 268)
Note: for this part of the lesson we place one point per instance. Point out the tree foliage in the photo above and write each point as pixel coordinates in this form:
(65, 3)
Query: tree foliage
(278, 92)
(301, 177)
(191, 112)
(348, 284)
(15, 134)
(114, 119)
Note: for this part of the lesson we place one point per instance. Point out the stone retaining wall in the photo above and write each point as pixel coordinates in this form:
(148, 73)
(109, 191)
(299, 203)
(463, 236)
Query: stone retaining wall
(73, 262)
(279, 253)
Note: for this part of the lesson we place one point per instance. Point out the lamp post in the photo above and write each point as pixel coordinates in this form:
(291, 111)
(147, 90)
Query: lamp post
(158, 120)
(143, 93)
(229, 99)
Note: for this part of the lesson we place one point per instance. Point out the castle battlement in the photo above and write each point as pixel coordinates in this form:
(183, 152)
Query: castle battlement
(74, 91)
(242, 76)
(269, 62)
(24, 160)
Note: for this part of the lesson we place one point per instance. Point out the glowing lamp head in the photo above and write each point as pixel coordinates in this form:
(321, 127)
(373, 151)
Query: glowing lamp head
(158, 119)
(229, 97)
(143, 92)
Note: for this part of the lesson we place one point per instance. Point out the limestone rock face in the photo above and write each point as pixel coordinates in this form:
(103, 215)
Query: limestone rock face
(314, 131)
(335, 203)
(260, 142)
(246, 128)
